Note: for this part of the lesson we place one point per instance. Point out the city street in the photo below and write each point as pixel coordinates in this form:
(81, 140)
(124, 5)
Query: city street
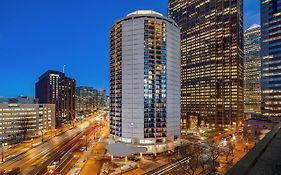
(64, 148)
(94, 162)
(12, 151)
(36, 160)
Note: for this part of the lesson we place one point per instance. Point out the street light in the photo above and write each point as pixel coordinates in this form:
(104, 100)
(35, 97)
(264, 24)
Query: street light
(31, 142)
(2, 148)
(59, 165)
(233, 139)
(42, 135)
(246, 146)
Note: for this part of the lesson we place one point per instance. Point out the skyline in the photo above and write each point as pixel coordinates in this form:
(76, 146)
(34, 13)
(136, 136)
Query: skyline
(38, 36)
(140, 87)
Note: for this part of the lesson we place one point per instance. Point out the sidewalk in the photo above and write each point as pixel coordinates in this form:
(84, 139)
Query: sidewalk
(81, 162)
(91, 161)
(239, 153)
(94, 162)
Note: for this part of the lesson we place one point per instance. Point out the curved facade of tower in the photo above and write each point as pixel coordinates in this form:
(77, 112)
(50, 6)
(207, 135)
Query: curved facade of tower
(145, 80)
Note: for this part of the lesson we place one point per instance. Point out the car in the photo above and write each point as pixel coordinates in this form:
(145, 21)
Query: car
(133, 158)
(82, 149)
(14, 171)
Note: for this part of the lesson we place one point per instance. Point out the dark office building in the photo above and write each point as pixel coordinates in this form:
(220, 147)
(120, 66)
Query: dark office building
(271, 59)
(54, 87)
(211, 59)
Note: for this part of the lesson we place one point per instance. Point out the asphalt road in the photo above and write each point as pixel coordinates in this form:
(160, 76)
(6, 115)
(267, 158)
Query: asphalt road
(36, 160)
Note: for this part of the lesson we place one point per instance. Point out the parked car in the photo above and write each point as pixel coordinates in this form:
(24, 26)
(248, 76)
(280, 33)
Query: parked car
(82, 149)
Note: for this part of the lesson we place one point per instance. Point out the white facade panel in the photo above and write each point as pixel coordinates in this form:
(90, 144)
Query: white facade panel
(173, 81)
(132, 79)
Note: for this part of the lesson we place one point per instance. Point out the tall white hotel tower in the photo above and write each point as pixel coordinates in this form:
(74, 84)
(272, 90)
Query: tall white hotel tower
(145, 81)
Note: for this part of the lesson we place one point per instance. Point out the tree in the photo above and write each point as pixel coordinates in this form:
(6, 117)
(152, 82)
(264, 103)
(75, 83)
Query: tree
(203, 157)
(24, 124)
(190, 167)
(215, 151)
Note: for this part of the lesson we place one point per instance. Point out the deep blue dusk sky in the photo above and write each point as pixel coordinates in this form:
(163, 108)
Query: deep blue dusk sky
(37, 35)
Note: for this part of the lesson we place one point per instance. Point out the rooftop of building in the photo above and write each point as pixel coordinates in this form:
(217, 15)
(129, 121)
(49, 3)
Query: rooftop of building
(264, 158)
(85, 87)
(23, 105)
(147, 14)
(90, 88)
(259, 120)
(48, 72)
(144, 12)
(20, 100)
(54, 73)
(253, 27)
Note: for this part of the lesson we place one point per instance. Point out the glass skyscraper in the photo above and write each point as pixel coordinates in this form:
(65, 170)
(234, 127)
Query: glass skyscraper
(211, 59)
(271, 59)
(252, 73)
(145, 80)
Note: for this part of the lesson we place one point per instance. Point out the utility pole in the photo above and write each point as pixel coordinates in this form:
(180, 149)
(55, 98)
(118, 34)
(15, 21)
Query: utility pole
(42, 138)
(86, 143)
